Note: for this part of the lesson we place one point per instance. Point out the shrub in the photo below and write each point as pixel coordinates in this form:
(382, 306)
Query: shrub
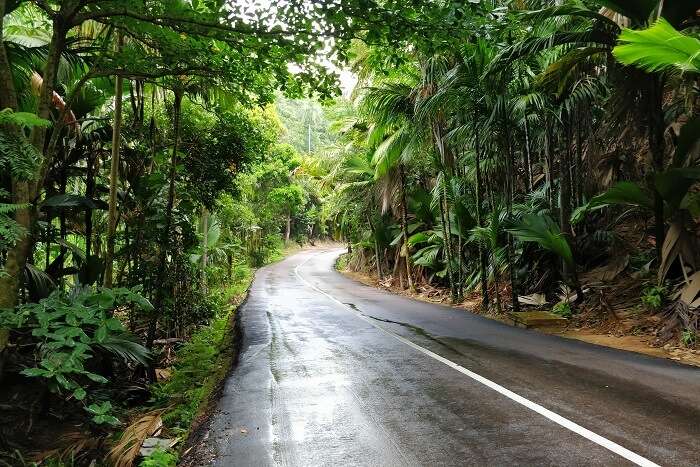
(689, 338)
(653, 297)
(195, 362)
(68, 330)
(159, 458)
(563, 309)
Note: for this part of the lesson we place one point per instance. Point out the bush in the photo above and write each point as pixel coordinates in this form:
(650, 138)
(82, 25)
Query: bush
(159, 458)
(270, 248)
(195, 363)
(69, 329)
(563, 309)
(342, 262)
(653, 297)
(689, 338)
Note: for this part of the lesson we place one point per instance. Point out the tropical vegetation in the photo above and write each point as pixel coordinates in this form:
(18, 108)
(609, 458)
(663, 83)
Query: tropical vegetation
(154, 152)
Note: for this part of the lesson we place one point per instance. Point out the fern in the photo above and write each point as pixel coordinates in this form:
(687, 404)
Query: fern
(22, 119)
(17, 156)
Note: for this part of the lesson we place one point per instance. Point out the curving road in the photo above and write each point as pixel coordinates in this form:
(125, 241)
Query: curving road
(332, 372)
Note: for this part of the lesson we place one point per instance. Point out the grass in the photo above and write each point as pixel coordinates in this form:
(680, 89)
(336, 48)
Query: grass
(203, 363)
(342, 263)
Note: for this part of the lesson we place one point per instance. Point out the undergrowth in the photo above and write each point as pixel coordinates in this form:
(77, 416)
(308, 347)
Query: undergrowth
(197, 362)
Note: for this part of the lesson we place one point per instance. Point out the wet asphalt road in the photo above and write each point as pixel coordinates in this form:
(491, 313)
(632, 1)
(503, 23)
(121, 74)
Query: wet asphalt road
(322, 383)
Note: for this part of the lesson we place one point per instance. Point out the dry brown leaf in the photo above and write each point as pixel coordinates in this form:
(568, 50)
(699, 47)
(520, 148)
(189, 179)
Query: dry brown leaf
(535, 299)
(670, 249)
(163, 374)
(607, 273)
(692, 289)
(125, 451)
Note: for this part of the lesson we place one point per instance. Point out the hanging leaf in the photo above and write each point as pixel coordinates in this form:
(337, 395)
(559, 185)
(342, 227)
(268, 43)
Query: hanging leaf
(688, 139)
(544, 231)
(659, 48)
(677, 243)
(673, 184)
(68, 200)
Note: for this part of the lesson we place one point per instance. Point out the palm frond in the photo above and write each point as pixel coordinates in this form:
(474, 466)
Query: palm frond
(659, 48)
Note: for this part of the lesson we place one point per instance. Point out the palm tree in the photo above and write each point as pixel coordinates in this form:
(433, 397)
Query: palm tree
(589, 37)
(394, 138)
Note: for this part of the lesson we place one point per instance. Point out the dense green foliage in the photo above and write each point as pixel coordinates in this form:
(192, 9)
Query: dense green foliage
(153, 152)
(506, 154)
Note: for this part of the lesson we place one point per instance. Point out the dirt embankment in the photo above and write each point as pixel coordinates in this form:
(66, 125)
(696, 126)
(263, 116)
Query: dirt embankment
(610, 321)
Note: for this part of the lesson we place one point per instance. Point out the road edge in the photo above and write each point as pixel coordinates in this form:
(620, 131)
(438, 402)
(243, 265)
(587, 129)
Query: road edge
(653, 352)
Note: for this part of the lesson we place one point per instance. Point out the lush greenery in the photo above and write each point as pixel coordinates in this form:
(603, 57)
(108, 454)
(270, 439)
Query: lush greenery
(509, 154)
(153, 152)
(144, 174)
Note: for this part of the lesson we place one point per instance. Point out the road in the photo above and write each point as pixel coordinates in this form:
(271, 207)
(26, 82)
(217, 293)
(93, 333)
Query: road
(332, 372)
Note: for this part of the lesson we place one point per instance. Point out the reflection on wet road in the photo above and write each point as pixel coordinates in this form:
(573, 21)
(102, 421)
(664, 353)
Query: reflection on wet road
(335, 373)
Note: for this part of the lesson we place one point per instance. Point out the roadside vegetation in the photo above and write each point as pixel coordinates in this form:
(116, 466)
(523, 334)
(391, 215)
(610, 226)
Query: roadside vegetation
(546, 161)
(511, 155)
(145, 175)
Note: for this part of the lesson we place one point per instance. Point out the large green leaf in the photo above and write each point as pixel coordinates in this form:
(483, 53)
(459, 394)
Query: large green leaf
(389, 153)
(688, 139)
(625, 193)
(544, 231)
(673, 184)
(659, 48)
(628, 193)
(68, 200)
(638, 11)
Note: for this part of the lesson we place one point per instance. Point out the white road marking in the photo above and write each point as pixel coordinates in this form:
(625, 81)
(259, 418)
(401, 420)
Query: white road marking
(556, 418)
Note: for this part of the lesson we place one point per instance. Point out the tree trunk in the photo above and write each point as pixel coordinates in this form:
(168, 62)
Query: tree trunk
(25, 192)
(10, 277)
(444, 215)
(63, 227)
(578, 167)
(166, 235)
(479, 219)
(549, 159)
(377, 255)
(656, 146)
(510, 182)
(114, 174)
(90, 194)
(288, 228)
(528, 156)
(404, 225)
(205, 247)
(565, 191)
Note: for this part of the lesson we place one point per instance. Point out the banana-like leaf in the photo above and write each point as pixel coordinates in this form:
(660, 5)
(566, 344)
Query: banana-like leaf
(637, 10)
(417, 239)
(125, 347)
(426, 256)
(673, 184)
(688, 139)
(544, 231)
(68, 200)
(626, 193)
(572, 10)
(659, 48)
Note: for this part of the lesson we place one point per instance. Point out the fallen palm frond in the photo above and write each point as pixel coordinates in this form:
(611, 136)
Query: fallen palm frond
(127, 449)
(678, 244)
(73, 444)
(683, 313)
(535, 299)
(608, 272)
